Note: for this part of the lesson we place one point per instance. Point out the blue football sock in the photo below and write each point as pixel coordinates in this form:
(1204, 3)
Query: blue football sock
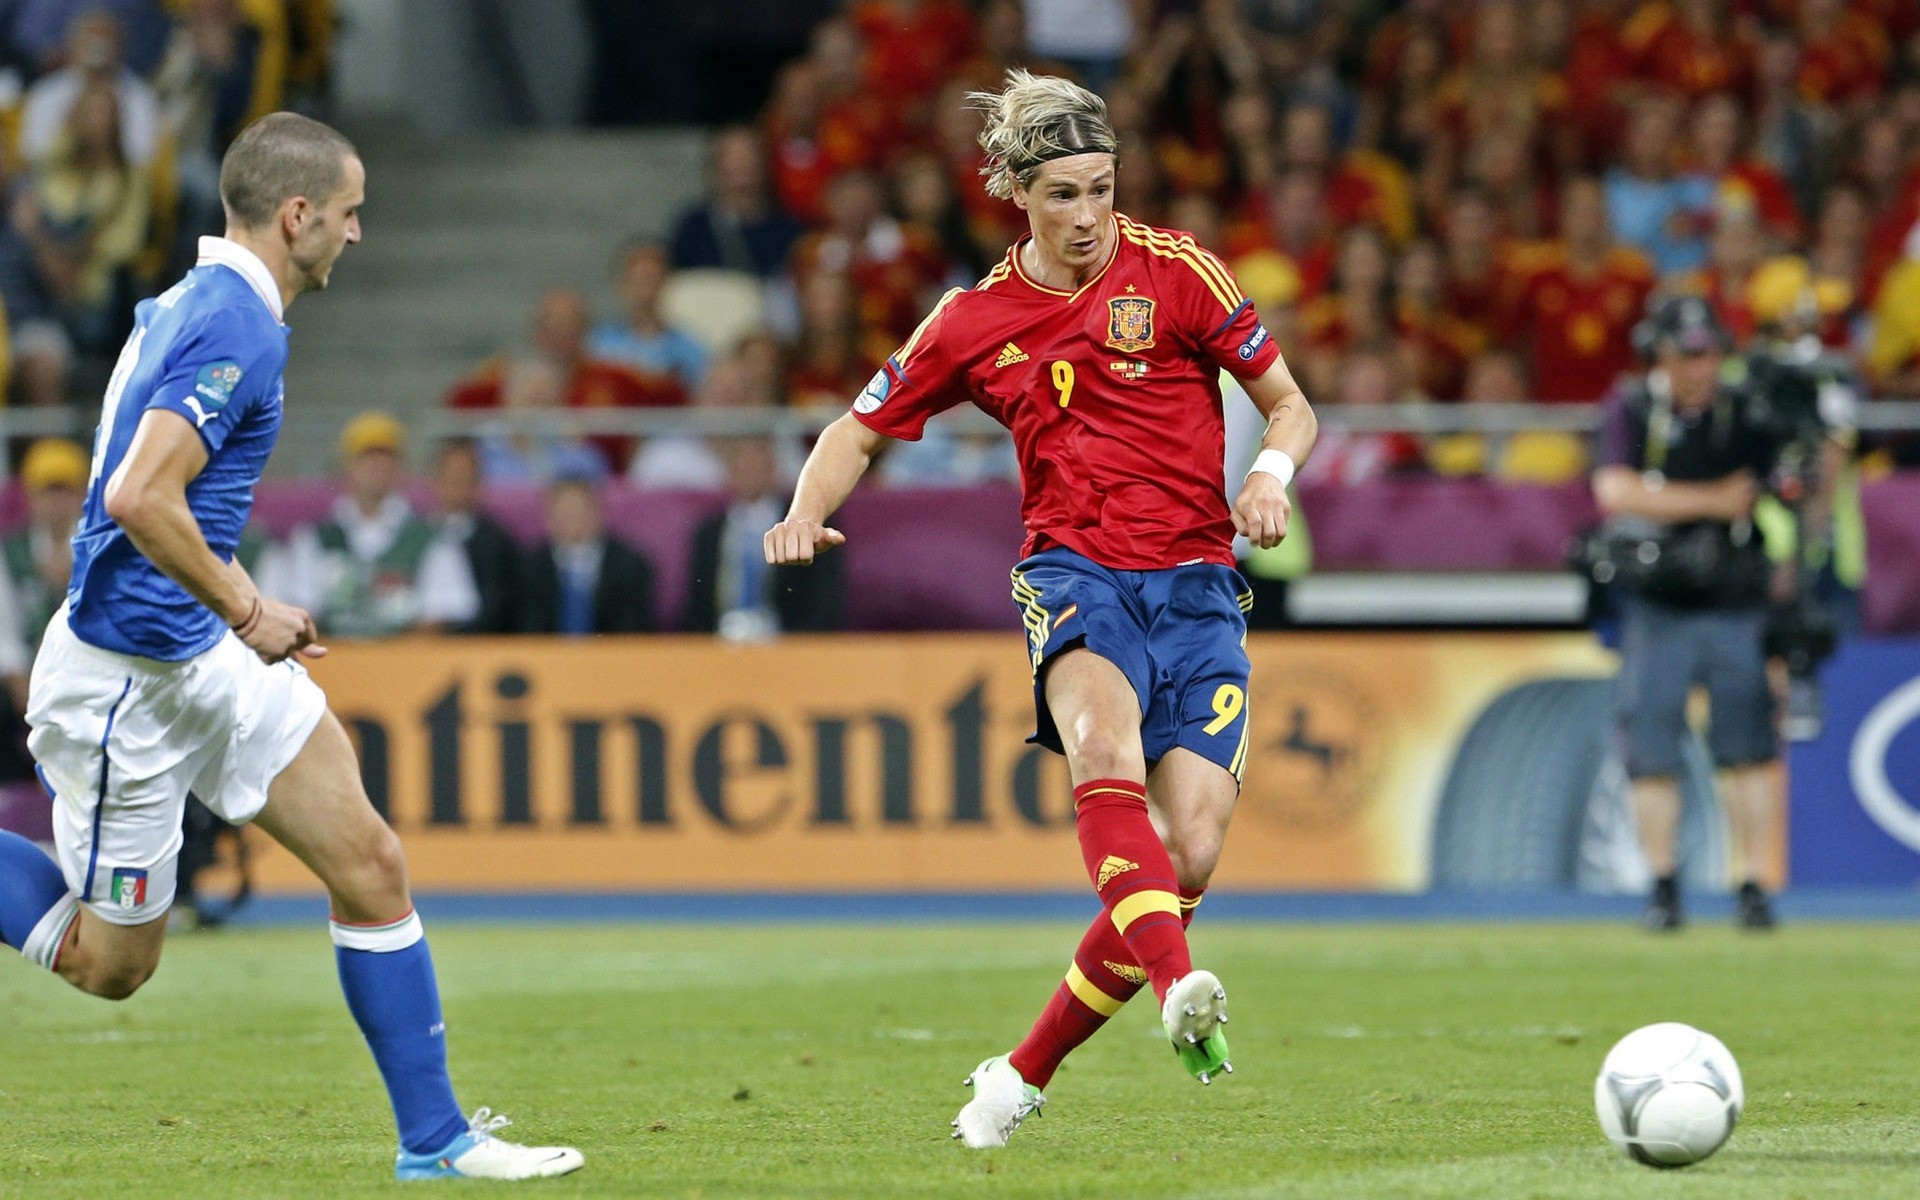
(31, 887)
(387, 974)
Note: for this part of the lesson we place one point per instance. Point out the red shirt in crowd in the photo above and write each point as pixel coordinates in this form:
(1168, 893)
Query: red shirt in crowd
(1887, 244)
(912, 51)
(1847, 62)
(1670, 52)
(1756, 185)
(1467, 107)
(1437, 345)
(1370, 188)
(1596, 64)
(1111, 392)
(1252, 232)
(594, 384)
(800, 171)
(992, 221)
(853, 131)
(1576, 324)
(1479, 303)
(892, 275)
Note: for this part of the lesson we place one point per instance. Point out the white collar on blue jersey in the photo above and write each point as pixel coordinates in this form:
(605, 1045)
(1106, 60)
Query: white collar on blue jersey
(232, 254)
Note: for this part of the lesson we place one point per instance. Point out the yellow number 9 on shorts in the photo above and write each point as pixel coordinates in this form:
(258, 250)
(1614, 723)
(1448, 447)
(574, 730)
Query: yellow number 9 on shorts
(1228, 703)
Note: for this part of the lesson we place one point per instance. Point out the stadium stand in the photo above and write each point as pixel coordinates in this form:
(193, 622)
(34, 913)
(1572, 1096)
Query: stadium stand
(1430, 202)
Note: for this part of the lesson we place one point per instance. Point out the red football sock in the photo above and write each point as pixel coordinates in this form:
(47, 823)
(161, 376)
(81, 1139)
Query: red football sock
(1189, 901)
(1102, 977)
(1131, 871)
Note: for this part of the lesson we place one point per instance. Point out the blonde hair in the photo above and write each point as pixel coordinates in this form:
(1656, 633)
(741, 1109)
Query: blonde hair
(1033, 120)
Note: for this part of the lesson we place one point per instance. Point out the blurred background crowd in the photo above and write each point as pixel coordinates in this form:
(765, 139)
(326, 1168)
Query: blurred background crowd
(1432, 203)
(113, 118)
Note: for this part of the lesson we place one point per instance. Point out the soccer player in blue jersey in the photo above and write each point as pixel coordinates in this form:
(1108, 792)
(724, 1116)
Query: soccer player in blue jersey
(167, 671)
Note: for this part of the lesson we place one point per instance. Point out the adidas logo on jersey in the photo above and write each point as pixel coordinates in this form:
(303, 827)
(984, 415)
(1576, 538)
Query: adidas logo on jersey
(1110, 866)
(1010, 355)
(1126, 971)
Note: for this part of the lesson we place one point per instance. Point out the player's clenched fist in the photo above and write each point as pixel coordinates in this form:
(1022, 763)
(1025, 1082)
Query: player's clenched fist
(1261, 510)
(276, 631)
(798, 539)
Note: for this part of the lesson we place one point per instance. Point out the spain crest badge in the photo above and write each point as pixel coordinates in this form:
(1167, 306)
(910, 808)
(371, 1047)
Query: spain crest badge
(1130, 323)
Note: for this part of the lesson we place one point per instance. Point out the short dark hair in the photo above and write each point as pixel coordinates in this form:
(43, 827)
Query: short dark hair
(278, 157)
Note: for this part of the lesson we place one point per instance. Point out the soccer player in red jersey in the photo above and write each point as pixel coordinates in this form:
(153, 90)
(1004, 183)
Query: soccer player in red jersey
(1099, 342)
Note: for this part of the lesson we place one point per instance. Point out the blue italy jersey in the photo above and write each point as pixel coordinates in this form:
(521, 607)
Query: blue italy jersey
(210, 349)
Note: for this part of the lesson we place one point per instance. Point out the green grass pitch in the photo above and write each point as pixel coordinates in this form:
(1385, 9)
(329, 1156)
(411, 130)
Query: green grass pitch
(825, 1061)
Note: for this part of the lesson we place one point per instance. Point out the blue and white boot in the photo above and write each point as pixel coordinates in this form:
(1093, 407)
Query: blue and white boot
(477, 1154)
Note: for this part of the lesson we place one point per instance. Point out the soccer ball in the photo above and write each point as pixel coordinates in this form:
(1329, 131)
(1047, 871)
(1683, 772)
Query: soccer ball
(1668, 1095)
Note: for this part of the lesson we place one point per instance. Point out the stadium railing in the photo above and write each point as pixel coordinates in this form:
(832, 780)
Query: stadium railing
(309, 439)
(1382, 550)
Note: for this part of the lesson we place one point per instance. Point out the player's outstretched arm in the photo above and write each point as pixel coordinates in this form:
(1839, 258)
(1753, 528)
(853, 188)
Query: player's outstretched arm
(147, 498)
(841, 456)
(1262, 509)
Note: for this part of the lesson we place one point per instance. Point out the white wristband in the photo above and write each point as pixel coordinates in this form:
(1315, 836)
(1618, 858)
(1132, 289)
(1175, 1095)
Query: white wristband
(1277, 463)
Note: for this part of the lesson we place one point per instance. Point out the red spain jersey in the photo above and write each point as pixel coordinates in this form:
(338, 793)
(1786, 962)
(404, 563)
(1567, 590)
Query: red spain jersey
(1577, 324)
(1112, 393)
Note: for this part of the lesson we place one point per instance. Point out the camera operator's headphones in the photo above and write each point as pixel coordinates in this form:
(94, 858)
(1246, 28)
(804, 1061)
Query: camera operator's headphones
(1689, 322)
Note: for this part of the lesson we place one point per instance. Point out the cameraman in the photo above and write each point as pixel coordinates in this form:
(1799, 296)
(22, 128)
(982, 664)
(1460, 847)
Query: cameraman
(1681, 459)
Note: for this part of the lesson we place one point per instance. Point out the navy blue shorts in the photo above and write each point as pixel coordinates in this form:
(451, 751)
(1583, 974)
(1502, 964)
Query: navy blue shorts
(1664, 652)
(1179, 635)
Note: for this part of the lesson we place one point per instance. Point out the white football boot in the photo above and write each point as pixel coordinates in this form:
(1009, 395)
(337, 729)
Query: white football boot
(477, 1154)
(1194, 1011)
(1001, 1100)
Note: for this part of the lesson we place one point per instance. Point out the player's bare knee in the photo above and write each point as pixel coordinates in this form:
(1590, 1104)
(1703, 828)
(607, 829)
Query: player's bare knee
(1195, 853)
(119, 986)
(116, 980)
(1104, 754)
(1194, 875)
(382, 860)
(366, 871)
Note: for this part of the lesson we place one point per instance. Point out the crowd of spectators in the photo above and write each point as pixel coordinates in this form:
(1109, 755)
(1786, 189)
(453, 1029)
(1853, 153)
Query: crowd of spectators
(388, 558)
(113, 118)
(1430, 201)
(384, 561)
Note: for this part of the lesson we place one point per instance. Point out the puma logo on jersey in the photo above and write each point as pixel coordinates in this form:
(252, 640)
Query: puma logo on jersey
(200, 415)
(1126, 971)
(1111, 866)
(1010, 355)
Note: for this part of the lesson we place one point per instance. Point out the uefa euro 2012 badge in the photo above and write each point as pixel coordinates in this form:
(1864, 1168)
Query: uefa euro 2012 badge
(212, 388)
(875, 393)
(129, 888)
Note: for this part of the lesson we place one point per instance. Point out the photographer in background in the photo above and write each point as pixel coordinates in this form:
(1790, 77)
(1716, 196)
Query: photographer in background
(1683, 455)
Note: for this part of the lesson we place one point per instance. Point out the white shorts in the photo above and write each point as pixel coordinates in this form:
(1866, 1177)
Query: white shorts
(121, 740)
